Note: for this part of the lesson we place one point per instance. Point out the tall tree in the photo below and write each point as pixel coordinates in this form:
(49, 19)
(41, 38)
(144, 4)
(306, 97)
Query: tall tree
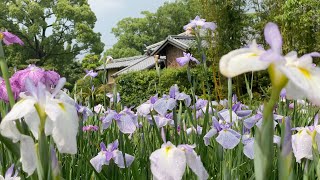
(134, 34)
(298, 20)
(231, 19)
(54, 31)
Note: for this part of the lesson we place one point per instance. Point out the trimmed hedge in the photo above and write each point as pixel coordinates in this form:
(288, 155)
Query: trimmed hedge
(137, 87)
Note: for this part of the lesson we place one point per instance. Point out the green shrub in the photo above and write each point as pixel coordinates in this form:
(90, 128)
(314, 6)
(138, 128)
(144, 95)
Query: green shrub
(137, 87)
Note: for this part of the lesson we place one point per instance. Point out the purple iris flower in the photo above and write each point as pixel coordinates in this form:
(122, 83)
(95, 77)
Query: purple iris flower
(85, 111)
(145, 108)
(164, 104)
(175, 94)
(227, 137)
(168, 102)
(111, 97)
(111, 152)
(90, 128)
(198, 22)
(9, 38)
(248, 148)
(257, 119)
(162, 121)
(186, 58)
(90, 73)
(10, 174)
(126, 121)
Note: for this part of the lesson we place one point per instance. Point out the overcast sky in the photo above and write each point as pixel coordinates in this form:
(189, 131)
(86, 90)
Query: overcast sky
(109, 12)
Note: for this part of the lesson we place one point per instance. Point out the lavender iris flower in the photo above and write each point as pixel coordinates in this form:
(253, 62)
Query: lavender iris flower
(186, 58)
(85, 111)
(168, 102)
(9, 38)
(10, 174)
(162, 121)
(198, 22)
(111, 152)
(145, 108)
(90, 73)
(227, 137)
(126, 121)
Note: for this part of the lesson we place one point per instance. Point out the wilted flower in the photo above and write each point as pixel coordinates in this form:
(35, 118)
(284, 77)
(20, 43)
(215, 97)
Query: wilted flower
(108, 153)
(186, 58)
(170, 162)
(9, 38)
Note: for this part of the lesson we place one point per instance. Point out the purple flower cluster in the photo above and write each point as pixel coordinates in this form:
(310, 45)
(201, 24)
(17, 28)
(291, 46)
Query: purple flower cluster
(90, 128)
(32, 72)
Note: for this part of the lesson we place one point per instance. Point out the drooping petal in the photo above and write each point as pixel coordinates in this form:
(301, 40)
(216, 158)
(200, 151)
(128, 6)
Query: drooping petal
(65, 125)
(302, 145)
(195, 163)
(98, 161)
(20, 109)
(209, 135)
(227, 139)
(126, 124)
(118, 159)
(241, 61)
(10, 130)
(33, 121)
(28, 155)
(168, 162)
(248, 148)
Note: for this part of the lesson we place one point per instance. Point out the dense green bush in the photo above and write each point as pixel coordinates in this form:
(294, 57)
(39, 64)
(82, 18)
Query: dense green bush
(137, 87)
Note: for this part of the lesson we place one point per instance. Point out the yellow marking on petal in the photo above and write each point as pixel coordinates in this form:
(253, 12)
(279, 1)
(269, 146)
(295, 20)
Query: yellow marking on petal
(167, 149)
(252, 55)
(1, 36)
(61, 105)
(305, 72)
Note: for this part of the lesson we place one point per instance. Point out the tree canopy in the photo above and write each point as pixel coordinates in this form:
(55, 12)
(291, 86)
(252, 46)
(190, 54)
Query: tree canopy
(54, 32)
(134, 34)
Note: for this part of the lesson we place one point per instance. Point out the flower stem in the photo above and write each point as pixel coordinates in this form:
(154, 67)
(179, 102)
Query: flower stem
(5, 75)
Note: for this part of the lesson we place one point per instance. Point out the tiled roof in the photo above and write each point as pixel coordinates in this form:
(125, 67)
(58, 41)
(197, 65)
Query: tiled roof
(181, 41)
(122, 62)
(145, 63)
